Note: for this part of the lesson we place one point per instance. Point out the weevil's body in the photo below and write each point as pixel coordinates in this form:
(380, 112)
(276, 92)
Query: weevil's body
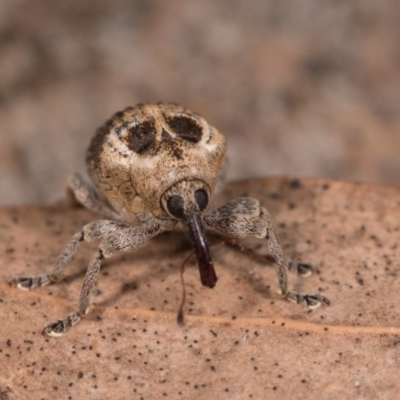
(143, 151)
(154, 165)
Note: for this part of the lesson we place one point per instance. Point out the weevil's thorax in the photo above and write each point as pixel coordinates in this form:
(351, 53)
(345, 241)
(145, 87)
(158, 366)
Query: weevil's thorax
(145, 150)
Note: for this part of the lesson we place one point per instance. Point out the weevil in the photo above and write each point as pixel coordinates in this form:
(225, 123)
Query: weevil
(153, 166)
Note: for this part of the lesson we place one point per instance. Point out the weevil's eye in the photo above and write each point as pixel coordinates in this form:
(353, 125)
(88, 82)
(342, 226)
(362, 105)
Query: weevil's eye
(141, 136)
(201, 197)
(186, 128)
(175, 205)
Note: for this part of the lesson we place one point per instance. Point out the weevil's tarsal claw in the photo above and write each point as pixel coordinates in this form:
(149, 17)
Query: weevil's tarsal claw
(206, 267)
(312, 301)
(59, 327)
(29, 282)
(302, 269)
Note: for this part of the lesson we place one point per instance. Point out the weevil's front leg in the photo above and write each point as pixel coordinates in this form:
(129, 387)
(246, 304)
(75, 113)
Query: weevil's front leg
(123, 239)
(93, 231)
(89, 198)
(244, 217)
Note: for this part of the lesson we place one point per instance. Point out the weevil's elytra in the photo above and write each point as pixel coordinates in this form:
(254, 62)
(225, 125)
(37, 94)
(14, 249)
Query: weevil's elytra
(152, 146)
(154, 165)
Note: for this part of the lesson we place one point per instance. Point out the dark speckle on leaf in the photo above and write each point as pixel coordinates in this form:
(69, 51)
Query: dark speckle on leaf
(295, 184)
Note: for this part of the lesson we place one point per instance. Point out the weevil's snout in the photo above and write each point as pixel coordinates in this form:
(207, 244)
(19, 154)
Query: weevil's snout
(206, 266)
(188, 205)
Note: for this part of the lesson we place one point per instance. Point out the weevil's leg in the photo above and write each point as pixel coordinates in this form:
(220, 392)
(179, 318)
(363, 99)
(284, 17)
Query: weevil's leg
(302, 269)
(93, 231)
(59, 327)
(245, 217)
(31, 282)
(123, 239)
(89, 198)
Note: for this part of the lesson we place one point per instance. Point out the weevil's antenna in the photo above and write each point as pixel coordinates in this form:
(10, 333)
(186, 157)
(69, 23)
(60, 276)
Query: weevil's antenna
(180, 318)
(227, 242)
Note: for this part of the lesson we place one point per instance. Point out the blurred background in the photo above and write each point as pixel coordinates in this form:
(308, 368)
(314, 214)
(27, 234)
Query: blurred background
(300, 87)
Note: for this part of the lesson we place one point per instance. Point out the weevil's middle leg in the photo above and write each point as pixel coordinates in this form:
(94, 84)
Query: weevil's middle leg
(60, 326)
(93, 231)
(56, 275)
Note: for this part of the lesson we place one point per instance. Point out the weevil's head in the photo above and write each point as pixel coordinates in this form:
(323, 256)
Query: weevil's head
(185, 197)
(153, 156)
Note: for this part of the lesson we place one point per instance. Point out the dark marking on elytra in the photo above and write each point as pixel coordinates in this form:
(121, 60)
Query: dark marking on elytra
(186, 128)
(178, 153)
(174, 149)
(95, 149)
(141, 136)
(96, 145)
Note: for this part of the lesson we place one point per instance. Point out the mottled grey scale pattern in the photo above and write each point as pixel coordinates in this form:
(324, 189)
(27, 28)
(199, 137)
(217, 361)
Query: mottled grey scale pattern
(152, 166)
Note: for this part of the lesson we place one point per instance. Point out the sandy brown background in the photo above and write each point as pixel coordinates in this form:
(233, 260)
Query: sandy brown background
(300, 87)
(308, 88)
(241, 340)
